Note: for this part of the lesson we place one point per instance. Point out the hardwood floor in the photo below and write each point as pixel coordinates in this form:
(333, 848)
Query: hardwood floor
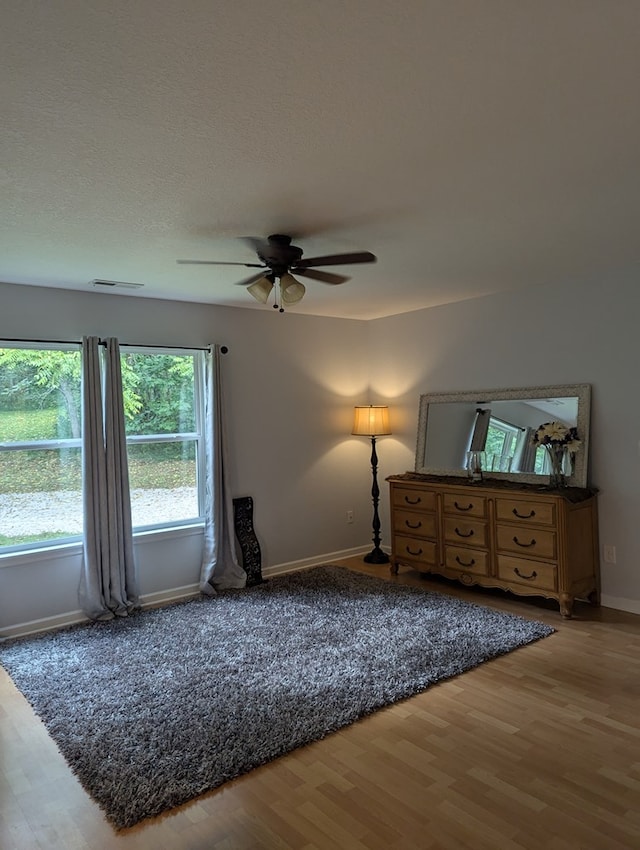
(539, 749)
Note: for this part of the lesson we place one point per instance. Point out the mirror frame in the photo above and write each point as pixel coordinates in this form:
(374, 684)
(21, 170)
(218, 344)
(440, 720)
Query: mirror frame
(580, 391)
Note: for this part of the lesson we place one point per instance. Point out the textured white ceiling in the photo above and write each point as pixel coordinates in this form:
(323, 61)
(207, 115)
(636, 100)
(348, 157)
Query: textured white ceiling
(474, 146)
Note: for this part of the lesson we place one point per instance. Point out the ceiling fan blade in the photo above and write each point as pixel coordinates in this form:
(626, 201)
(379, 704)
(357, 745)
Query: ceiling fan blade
(219, 263)
(337, 260)
(325, 277)
(249, 280)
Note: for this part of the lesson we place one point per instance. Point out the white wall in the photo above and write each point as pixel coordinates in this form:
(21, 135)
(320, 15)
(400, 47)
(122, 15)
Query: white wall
(290, 382)
(572, 334)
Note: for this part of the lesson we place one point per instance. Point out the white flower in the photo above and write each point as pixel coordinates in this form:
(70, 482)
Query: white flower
(558, 434)
(556, 431)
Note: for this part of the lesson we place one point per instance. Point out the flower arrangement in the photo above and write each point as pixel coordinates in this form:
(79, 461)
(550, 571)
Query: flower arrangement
(557, 435)
(559, 440)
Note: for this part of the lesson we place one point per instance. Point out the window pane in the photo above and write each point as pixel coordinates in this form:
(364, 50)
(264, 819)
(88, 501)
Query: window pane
(40, 495)
(541, 464)
(40, 489)
(163, 482)
(495, 442)
(39, 394)
(158, 393)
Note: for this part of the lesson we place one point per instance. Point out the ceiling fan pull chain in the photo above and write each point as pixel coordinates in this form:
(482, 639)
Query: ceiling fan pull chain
(275, 297)
(281, 298)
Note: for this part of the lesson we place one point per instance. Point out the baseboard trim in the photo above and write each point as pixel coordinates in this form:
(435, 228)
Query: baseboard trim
(294, 566)
(45, 624)
(173, 594)
(72, 618)
(189, 591)
(165, 597)
(631, 606)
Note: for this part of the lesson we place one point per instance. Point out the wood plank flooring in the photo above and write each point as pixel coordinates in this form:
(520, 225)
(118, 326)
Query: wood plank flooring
(539, 749)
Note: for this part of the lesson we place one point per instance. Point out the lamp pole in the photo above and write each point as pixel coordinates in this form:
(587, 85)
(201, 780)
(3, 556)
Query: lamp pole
(376, 556)
(373, 421)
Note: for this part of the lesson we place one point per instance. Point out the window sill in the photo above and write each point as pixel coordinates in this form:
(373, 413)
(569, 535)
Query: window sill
(41, 553)
(170, 531)
(67, 550)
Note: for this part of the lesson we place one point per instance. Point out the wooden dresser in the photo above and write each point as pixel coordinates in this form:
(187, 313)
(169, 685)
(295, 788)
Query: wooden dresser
(518, 537)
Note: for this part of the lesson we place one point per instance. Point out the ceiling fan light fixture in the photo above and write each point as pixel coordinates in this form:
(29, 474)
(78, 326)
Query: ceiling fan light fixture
(291, 290)
(261, 289)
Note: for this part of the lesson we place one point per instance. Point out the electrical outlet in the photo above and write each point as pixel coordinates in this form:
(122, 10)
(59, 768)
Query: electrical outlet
(349, 516)
(609, 553)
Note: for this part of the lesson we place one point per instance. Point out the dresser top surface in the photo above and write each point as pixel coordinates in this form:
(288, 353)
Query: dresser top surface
(570, 494)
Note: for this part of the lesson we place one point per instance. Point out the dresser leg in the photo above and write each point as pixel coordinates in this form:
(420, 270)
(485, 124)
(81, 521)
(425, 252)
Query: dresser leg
(393, 568)
(566, 605)
(594, 597)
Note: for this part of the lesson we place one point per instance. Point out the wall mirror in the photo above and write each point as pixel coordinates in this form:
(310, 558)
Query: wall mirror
(501, 424)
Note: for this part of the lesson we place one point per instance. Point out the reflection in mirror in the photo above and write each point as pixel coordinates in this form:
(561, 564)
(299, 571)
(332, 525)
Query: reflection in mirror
(501, 424)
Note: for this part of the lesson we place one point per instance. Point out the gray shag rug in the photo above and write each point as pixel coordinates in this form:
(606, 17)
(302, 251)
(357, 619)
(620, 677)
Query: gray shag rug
(154, 709)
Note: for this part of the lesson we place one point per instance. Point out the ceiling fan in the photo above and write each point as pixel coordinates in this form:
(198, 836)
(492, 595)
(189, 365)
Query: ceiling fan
(278, 259)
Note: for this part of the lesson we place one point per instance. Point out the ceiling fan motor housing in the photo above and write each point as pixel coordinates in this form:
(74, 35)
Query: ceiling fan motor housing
(279, 254)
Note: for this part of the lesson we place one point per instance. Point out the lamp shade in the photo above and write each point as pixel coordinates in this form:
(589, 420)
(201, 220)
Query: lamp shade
(371, 420)
(291, 289)
(260, 289)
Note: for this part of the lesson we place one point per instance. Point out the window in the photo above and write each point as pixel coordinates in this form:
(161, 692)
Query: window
(163, 416)
(41, 441)
(500, 446)
(40, 446)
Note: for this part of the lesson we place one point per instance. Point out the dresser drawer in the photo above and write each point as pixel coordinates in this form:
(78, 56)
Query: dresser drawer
(468, 532)
(525, 538)
(526, 541)
(414, 523)
(530, 573)
(474, 561)
(414, 549)
(525, 511)
(465, 505)
(408, 497)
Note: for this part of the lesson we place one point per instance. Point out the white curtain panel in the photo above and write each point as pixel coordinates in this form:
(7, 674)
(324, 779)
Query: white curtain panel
(220, 568)
(108, 582)
(527, 460)
(480, 430)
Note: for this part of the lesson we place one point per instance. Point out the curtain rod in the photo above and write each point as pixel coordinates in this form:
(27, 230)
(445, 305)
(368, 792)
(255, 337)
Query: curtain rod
(224, 349)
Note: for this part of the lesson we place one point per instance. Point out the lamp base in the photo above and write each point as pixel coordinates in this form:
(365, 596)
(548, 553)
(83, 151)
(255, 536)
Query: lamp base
(376, 556)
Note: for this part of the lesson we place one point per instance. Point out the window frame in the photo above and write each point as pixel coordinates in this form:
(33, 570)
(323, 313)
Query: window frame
(196, 436)
(42, 445)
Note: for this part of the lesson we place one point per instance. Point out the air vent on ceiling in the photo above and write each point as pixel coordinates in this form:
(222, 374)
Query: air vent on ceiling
(116, 284)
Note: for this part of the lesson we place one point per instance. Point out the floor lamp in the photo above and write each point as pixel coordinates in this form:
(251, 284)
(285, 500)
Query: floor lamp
(373, 421)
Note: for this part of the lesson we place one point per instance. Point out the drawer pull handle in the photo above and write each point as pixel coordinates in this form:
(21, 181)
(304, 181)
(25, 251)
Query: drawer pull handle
(461, 534)
(524, 516)
(412, 524)
(524, 545)
(460, 508)
(412, 501)
(411, 552)
(533, 575)
(463, 564)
